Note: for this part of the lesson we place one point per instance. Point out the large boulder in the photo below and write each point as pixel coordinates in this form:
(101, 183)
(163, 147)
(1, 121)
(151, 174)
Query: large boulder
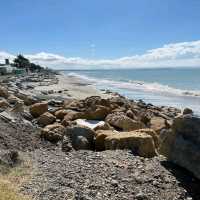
(123, 122)
(3, 92)
(70, 116)
(187, 111)
(53, 132)
(46, 119)
(157, 124)
(81, 137)
(181, 145)
(100, 138)
(152, 133)
(61, 113)
(38, 109)
(140, 143)
(97, 113)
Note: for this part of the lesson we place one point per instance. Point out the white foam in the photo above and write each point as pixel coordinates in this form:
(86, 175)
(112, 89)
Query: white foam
(139, 86)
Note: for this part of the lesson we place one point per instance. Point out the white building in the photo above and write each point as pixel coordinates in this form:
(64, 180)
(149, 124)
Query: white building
(6, 68)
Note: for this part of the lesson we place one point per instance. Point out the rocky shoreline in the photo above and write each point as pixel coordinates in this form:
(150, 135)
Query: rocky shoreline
(87, 144)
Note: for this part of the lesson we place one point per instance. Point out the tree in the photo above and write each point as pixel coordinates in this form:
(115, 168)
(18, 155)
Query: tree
(33, 67)
(24, 63)
(21, 62)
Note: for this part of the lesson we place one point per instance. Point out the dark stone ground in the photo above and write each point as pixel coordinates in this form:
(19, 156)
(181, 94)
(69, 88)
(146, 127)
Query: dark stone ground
(87, 175)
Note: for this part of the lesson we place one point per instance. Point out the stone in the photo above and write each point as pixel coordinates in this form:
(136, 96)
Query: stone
(61, 113)
(139, 142)
(145, 118)
(152, 133)
(123, 122)
(130, 114)
(27, 98)
(53, 132)
(71, 104)
(103, 126)
(7, 116)
(18, 107)
(3, 92)
(181, 145)
(72, 115)
(157, 124)
(38, 109)
(100, 138)
(65, 122)
(4, 104)
(81, 142)
(12, 99)
(55, 103)
(96, 100)
(99, 113)
(46, 119)
(80, 133)
(187, 111)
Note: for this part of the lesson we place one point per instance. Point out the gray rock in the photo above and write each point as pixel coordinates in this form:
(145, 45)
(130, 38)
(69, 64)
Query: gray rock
(187, 111)
(182, 144)
(82, 143)
(123, 122)
(81, 137)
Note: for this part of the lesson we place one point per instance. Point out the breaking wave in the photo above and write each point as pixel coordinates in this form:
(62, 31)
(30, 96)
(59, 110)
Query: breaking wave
(137, 86)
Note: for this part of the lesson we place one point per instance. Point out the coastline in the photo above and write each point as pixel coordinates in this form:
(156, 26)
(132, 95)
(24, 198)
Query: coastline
(72, 87)
(156, 93)
(49, 116)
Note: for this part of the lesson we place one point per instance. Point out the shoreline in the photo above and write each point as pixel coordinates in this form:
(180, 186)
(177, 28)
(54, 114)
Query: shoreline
(150, 97)
(49, 121)
(72, 87)
(61, 86)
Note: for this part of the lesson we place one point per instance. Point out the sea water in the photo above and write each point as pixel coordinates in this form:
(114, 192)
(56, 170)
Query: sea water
(177, 87)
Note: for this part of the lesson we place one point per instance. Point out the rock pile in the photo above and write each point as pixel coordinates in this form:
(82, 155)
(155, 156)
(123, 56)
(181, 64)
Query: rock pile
(125, 124)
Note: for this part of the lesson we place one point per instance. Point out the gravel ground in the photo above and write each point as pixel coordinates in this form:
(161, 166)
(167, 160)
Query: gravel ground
(87, 175)
(18, 136)
(108, 175)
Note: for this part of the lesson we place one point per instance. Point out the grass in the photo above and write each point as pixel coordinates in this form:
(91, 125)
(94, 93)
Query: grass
(11, 179)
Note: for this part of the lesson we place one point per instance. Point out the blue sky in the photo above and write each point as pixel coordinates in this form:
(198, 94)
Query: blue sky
(96, 29)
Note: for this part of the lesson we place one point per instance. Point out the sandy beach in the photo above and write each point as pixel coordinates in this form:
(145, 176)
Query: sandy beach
(71, 87)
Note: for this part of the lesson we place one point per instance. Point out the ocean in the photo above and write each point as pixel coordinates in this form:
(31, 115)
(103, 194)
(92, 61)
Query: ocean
(177, 87)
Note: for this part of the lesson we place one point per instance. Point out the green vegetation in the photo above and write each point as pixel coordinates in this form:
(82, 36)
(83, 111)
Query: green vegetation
(23, 63)
(11, 179)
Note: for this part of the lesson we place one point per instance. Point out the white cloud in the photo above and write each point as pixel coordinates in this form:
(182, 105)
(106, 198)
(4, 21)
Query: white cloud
(4, 55)
(185, 54)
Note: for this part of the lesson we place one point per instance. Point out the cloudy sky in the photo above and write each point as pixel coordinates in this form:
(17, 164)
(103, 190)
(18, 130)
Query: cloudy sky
(185, 54)
(102, 34)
